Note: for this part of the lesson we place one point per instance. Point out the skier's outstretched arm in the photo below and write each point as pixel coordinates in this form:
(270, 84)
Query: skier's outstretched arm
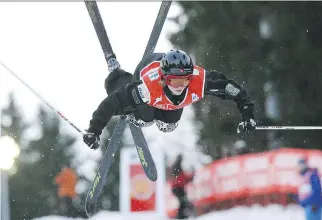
(122, 101)
(220, 85)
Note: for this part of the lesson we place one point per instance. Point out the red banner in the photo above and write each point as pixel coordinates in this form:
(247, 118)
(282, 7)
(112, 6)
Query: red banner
(143, 191)
(248, 175)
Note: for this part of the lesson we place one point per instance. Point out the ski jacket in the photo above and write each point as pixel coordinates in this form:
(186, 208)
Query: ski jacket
(152, 92)
(66, 180)
(179, 178)
(309, 192)
(144, 91)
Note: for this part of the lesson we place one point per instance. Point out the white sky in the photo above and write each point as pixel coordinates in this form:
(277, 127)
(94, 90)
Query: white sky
(53, 47)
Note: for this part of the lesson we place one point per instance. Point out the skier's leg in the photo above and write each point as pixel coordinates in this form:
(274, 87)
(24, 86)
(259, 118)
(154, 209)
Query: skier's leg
(142, 117)
(167, 121)
(145, 114)
(117, 79)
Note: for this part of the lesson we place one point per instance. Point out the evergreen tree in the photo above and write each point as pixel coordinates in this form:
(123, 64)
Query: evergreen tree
(253, 42)
(33, 192)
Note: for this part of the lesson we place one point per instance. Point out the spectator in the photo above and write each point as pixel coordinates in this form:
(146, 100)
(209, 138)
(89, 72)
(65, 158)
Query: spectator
(178, 182)
(309, 193)
(66, 181)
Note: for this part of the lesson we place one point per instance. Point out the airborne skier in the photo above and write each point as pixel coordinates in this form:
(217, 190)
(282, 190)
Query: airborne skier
(162, 85)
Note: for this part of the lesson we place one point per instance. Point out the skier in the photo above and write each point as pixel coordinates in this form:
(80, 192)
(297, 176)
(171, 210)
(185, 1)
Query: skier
(162, 85)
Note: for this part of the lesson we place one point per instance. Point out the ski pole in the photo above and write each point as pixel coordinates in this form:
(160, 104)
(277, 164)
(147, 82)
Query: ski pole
(42, 99)
(288, 127)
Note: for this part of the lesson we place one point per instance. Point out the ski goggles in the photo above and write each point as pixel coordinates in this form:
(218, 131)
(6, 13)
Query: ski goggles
(177, 74)
(169, 78)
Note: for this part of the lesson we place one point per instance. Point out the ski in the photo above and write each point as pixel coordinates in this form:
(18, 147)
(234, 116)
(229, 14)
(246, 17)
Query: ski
(108, 158)
(100, 30)
(157, 28)
(140, 142)
(137, 134)
(101, 175)
(144, 153)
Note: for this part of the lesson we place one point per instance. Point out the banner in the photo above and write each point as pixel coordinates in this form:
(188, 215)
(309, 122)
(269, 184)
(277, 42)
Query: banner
(248, 175)
(143, 191)
(139, 195)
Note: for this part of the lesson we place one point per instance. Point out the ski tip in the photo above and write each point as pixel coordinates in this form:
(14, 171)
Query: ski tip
(90, 209)
(88, 214)
(153, 175)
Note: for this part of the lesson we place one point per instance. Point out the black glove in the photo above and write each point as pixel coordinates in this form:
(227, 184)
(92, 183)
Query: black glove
(246, 126)
(92, 140)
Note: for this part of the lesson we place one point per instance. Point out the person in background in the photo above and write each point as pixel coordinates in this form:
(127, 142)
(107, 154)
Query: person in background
(309, 192)
(179, 180)
(66, 181)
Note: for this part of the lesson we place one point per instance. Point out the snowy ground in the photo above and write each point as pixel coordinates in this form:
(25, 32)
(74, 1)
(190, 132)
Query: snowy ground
(276, 212)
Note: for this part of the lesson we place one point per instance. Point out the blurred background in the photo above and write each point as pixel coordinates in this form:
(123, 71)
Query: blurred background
(273, 49)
